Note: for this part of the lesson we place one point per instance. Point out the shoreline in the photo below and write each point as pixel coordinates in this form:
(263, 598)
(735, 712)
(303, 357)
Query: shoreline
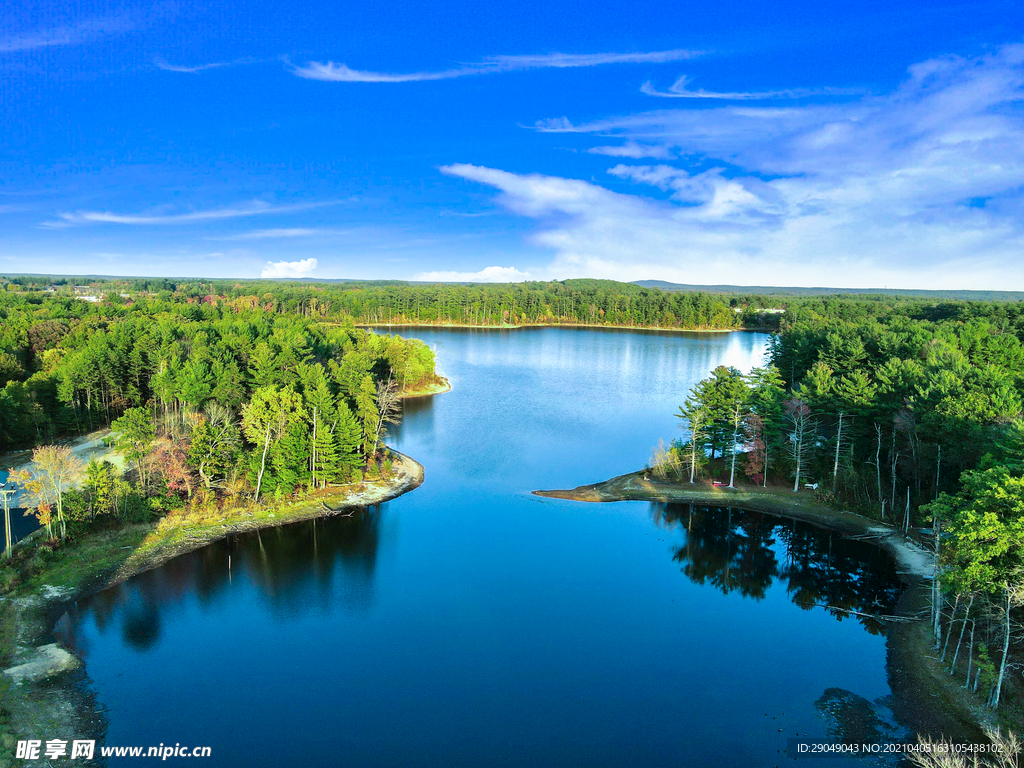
(409, 476)
(159, 544)
(58, 702)
(924, 697)
(511, 327)
(436, 388)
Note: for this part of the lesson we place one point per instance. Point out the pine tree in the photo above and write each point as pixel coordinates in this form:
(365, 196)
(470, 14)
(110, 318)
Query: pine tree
(327, 464)
(366, 413)
(289, 459)
(348, 436)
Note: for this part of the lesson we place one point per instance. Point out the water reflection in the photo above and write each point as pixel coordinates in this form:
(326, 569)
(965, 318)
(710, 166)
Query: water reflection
(418, 414)
(297, 569)
(745, 552)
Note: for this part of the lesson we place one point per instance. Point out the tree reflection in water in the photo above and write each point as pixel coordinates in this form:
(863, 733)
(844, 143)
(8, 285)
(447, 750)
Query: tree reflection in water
(740, 551)
(299, 568)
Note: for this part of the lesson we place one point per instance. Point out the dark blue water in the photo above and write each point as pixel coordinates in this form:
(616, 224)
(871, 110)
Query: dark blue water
(469, 623)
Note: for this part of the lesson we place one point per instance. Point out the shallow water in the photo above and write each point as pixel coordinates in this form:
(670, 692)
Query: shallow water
(471, 623)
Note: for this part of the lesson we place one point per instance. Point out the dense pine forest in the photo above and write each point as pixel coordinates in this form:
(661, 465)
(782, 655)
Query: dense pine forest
(209, 402)
(907, 411)
(581, 302)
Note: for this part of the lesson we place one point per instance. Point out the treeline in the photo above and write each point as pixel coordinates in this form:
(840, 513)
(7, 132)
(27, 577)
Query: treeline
(586, 302)
(579, 302)
(572, 302)
(907, 412)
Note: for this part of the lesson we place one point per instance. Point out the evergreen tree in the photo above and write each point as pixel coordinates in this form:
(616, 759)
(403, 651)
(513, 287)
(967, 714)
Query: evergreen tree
(348, 436)
(367, 415)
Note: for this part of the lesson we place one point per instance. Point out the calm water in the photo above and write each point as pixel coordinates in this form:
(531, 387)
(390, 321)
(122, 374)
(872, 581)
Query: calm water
(469, 623)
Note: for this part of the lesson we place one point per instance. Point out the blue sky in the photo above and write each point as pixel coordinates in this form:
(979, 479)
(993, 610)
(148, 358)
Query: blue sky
(847, 144)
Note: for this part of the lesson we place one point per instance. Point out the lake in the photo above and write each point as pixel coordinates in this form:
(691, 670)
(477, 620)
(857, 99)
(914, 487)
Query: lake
(469, 623)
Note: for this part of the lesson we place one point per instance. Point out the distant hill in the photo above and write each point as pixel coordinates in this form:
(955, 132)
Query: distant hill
(775, 290)
(583, 283)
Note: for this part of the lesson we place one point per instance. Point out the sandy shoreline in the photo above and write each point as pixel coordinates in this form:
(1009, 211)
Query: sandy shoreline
(437, 388)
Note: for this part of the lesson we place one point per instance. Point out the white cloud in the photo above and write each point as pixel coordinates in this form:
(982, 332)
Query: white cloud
(486, 275)
(635, 151)
(73, 34)
(678, 90)
(255, 208)
(923, 187)
(269, 234)
(342, 73)
(194, 68)
(303, 268)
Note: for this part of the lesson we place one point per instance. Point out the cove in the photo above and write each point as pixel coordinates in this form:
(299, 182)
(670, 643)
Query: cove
(471, 623)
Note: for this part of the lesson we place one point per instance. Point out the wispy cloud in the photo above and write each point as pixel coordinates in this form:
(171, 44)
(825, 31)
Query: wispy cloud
(194, 68)
(486, 275)
(342, 73)
(273, 234)
(255, 208)
(467, 214)
(71, 34)
(679, 90)
(923, 186)
(635, 151)
(303, 268)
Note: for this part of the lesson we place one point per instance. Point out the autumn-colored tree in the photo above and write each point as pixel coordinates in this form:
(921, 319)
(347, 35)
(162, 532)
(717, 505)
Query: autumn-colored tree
(170, 463)
(53, 472)
(755, 467)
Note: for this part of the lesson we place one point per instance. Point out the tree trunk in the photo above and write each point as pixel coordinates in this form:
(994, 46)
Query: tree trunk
(1006, 648)
(949, 632)
(7, 524)
(263, 463)
(970, 655)
(963, 628)
(937, 587)
(735, 437)
(878, 467)
(892, 474)
(906, 515)
(798, 454)
(839, 442)
(312, 452)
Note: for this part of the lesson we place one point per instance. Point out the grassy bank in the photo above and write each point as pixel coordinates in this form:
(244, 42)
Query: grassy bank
(925, 697)
(431, 388)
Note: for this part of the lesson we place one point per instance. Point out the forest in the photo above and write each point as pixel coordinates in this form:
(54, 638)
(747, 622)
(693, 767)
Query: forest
(909, 412)
(579, 302)
(209, 402)
(904, 409)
